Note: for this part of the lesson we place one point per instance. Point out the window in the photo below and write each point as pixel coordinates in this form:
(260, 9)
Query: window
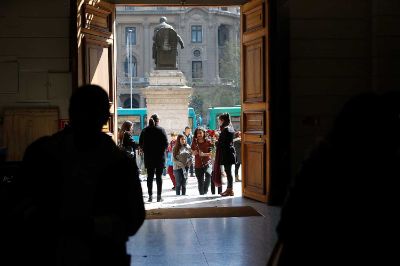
(130, 67)
(197, 34)
(196, 53)
(197, 69)
(236, 122)
(224, 8)
(130, 35)
(223, 35)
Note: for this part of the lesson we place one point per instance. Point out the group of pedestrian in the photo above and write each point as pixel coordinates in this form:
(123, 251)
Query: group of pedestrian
(186, 155)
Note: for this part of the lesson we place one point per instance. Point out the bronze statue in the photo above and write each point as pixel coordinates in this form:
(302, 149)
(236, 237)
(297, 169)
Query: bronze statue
(165, 42)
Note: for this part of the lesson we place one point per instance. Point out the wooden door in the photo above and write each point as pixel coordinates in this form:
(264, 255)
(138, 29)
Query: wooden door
(255, 100)
(24, 125)
(94, 63)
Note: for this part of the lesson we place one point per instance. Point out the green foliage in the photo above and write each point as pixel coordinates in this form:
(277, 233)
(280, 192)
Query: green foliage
(228, 92)
(229, 63)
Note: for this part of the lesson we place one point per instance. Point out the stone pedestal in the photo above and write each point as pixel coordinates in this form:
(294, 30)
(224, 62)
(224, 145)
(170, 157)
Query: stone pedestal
(168, 96)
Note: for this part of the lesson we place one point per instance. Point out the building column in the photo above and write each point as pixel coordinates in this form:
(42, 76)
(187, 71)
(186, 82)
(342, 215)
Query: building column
(211, 67)
(216, 77)
(147, 47)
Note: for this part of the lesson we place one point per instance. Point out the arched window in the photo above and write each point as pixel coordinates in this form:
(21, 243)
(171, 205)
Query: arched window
(223, 34)
(135, 102)
(130, 65)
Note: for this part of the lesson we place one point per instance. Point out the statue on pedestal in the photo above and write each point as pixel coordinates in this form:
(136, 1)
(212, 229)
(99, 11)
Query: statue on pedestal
(165, 42)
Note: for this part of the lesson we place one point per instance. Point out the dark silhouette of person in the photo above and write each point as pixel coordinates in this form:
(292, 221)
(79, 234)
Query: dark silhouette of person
(154, 143)
(340, 207)
(82, 195)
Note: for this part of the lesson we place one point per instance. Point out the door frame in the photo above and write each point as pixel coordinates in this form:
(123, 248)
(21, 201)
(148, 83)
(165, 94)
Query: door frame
(280, 163)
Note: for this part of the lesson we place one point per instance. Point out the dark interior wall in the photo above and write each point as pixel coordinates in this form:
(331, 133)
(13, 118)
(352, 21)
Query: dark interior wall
(386, 44)
(330, 60)
(34, 55)
(337, 49)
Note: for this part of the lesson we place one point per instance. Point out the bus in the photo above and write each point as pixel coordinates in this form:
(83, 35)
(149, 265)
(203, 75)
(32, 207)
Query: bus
(138, 116)
(214, 112)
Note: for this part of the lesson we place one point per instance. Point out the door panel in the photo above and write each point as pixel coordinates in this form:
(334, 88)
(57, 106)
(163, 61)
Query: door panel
(253, 71)
(95, 50)
(254, 154)
(255, 101)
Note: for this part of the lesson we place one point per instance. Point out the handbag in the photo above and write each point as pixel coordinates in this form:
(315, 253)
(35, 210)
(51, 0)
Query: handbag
(128, 150)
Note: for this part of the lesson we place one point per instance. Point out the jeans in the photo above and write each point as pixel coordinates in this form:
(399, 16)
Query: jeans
(237, 169)
(150, 177)
(203, 183)
(180, 179)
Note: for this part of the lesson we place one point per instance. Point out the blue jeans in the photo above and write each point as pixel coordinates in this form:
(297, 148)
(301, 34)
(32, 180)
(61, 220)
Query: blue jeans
(203, 178)
(180, 179)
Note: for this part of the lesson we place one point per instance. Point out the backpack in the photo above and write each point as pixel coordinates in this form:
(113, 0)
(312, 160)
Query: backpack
(128, 148)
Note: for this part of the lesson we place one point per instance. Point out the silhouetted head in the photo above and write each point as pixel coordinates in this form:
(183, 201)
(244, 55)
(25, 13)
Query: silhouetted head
(163, 19)
(224, 119)
(89, 108)
(154, 120)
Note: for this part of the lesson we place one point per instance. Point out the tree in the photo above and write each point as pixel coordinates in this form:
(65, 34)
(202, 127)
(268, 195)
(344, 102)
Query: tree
(227, 93)
(229, 64)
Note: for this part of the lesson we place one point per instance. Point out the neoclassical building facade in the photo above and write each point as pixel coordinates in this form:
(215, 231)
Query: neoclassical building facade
(204, 31)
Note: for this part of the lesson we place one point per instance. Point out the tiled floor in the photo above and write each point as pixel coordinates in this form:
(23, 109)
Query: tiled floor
(204, 241)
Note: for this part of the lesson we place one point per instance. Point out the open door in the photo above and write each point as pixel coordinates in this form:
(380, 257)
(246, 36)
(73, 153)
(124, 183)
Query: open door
(255, 100)
(94, 50)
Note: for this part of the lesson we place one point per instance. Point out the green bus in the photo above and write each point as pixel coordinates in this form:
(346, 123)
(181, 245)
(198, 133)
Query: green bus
(138, 116)
(214, 112)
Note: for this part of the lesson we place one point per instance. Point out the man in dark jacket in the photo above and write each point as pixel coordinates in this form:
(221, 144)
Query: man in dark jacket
(83, 195)
(154, 142)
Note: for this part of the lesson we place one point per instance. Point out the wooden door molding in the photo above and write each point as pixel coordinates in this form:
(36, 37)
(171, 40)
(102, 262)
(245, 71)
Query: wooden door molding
(94, 48)
(255, 100)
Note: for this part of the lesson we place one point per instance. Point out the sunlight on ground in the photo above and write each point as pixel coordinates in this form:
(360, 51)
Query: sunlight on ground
(192, 197)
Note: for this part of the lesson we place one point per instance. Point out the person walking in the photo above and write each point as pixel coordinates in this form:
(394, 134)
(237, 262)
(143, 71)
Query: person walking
(170, 163)
(201, 148)
(154, 143)
(189, 139)
(182, 158)
(126, 142)
(226, 151)
(237, 143)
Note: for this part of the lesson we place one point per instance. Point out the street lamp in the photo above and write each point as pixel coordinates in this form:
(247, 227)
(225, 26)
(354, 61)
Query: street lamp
(129, 44)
